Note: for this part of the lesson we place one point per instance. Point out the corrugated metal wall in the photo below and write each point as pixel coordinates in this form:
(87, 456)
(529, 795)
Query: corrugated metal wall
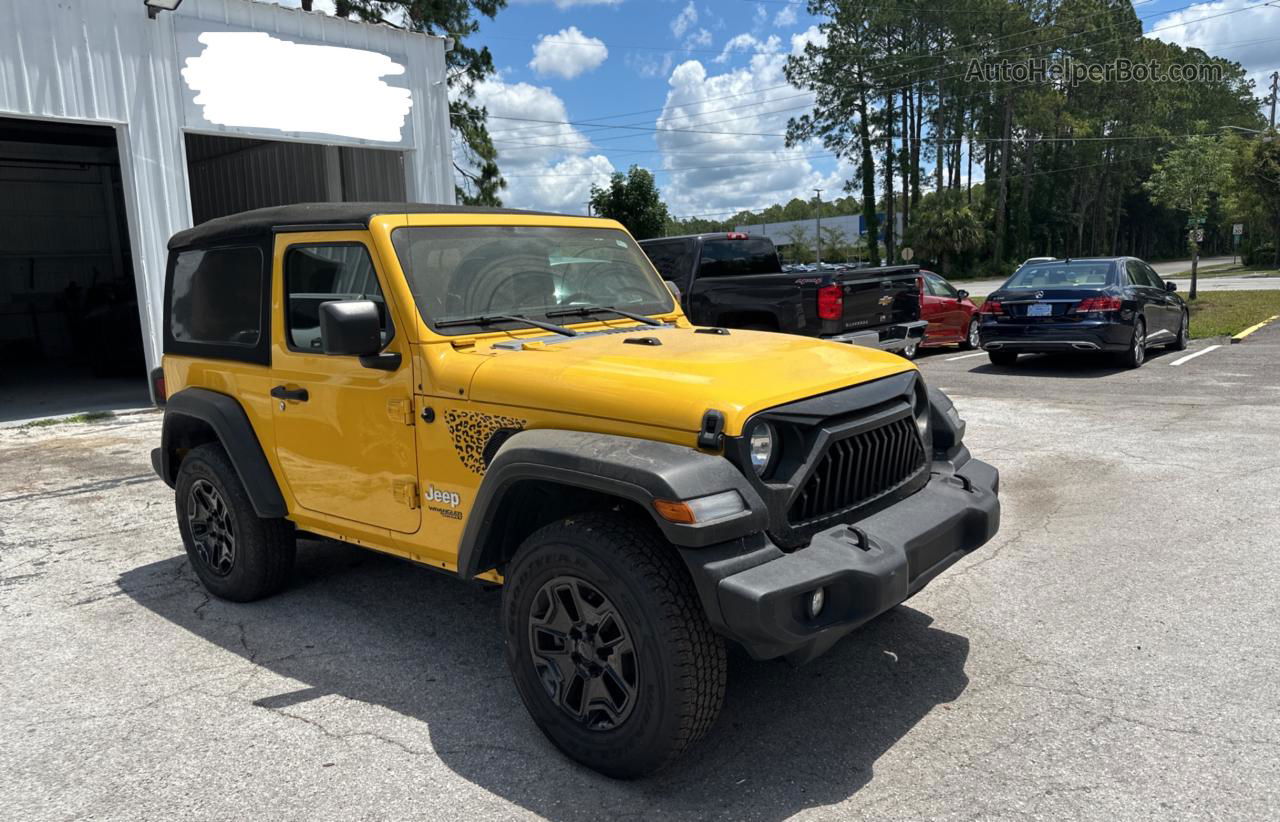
(103, 61)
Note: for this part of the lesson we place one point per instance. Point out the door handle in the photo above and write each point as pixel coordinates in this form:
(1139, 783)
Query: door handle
(282, 393)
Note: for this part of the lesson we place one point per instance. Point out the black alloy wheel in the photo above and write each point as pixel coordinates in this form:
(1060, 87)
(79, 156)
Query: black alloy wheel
(583, 654)
(212, 528)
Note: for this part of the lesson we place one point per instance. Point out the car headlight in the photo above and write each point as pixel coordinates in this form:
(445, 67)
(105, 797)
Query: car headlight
(761, 446)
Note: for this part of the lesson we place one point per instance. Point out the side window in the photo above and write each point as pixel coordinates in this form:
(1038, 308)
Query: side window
(317, 274)
(939, 287)
(1136, 275)
(217, 296)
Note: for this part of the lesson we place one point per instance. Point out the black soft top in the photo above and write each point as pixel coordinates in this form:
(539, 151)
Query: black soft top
(263, 222)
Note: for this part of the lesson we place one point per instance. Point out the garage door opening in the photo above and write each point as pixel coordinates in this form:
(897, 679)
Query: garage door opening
(70, 335)
(232, 174)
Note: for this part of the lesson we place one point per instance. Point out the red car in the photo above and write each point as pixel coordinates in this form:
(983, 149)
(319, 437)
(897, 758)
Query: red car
(952, 317)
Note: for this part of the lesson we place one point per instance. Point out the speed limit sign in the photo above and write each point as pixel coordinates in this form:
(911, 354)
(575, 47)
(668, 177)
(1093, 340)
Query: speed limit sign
(1199, 235)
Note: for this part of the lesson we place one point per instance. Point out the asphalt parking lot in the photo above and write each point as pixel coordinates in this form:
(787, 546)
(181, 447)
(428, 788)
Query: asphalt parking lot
(1113, 653)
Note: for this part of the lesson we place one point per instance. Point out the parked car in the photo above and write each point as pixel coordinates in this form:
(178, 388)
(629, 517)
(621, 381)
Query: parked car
(1101, 304)
(516, 399)
(951, 316)
(732, 280)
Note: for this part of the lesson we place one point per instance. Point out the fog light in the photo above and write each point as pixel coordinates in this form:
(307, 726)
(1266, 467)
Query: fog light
(816, 601)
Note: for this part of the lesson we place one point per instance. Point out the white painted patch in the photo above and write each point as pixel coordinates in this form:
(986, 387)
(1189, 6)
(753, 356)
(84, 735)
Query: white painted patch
(249, 79)
(966, 356)
(1181, 360)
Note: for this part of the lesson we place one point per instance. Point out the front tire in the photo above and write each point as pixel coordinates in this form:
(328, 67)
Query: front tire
(608, 645)
(236, 554)
(1184, 334)
(911, 351)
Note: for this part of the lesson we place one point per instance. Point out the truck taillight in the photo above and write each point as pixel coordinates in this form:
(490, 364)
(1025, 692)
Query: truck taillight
(830, 302)
(158, 393)
(991, 307)
(1097, 304)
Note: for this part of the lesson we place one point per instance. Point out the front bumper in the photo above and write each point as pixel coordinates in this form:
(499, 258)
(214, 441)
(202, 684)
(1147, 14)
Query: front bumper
(1080, 335)
(756, 594)
(887, 338)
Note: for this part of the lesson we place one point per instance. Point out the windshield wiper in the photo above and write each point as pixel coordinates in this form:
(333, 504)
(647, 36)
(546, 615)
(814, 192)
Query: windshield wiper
(490, 319)
(588, 310)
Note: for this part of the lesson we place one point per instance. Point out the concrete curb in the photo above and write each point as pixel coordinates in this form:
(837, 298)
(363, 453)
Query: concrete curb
(1240, 337)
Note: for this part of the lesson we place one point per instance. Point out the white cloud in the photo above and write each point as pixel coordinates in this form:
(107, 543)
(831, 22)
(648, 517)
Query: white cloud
(567, 53)
(684, 20)
(548, 166)
(648, 64)
(714, 173)
(786, 17)
(1247, 37)
(698, 40)
(568, 4)
(748, 42)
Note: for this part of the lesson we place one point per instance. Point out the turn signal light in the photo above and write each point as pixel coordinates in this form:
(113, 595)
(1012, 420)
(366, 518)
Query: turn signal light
(991, 307)
(830, 302)
(1097, 304)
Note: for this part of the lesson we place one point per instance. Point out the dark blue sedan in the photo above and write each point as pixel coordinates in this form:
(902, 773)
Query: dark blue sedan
(1101, 304)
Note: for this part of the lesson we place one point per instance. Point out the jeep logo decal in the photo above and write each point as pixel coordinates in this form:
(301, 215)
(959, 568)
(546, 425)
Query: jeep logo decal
(433, 494)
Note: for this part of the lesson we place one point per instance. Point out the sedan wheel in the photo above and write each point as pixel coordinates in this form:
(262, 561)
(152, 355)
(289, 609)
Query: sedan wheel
(1137, 353)
(1184, 334)
(911, 350)
(971, 342)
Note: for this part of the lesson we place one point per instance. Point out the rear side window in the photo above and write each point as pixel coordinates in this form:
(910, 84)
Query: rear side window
(737, 258)
(216, 296)
(317, 274)
(939, 287)
(674, 260)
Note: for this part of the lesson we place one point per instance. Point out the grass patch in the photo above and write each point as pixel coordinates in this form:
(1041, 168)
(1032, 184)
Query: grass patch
(87, 416)
(1225, 271)
(1224, 313)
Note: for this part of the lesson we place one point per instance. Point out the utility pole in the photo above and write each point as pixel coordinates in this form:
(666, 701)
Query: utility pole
(589, 214)
(818, 244)
(1275, 82)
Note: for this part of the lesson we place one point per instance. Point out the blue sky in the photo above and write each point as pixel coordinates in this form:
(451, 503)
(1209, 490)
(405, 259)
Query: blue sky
(672, 71)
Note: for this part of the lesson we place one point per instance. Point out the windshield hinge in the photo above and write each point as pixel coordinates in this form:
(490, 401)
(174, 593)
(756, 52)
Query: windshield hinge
(405, 492)
(401, 411)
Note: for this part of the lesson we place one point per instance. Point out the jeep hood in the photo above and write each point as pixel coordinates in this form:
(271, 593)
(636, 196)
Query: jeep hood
(673, 384)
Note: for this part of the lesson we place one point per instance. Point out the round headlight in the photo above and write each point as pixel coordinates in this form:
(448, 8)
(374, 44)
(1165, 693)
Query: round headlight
(760, 446)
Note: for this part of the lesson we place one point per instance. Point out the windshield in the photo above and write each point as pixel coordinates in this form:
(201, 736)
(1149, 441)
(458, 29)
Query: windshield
(734, 258)
(460, 272)
(1062, 274)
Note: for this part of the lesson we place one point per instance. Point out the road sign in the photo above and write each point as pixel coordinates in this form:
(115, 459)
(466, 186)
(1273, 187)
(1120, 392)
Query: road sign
(1199, 235)
(1192, 222)
(907, 254)
(1237, 229)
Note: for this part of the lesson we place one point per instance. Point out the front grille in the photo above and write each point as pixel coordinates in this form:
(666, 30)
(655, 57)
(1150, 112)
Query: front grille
(858, 469)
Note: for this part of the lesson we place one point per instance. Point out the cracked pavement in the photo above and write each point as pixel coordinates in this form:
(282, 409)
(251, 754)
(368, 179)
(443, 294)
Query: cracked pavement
(1114, 652)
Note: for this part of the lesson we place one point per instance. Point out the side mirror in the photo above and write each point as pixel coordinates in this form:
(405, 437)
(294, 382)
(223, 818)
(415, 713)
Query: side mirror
(964, 295)
(350, 328)
(674, 289)
(1170, 285)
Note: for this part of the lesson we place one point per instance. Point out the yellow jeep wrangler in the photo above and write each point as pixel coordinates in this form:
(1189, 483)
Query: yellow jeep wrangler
(516, 399)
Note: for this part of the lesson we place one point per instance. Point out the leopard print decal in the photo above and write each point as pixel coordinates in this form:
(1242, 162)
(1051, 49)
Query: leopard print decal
(471, 431)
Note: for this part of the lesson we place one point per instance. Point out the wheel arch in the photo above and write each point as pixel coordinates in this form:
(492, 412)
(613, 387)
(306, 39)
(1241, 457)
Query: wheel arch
(196, 416)
(540, 476)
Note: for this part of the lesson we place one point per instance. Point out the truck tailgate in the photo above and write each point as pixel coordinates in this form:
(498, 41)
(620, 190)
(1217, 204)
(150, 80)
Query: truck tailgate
(876, 297)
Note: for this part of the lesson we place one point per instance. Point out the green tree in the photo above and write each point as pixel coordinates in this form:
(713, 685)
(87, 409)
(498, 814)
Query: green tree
(944, 226)
(1186, 177)
(478, 170)
(800, 247)
(632, 200)
(835, 244)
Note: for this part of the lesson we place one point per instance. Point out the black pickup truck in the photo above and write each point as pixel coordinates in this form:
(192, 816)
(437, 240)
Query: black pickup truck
(734, 280)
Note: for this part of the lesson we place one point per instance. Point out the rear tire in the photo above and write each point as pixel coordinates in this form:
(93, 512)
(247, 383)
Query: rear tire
(911, 351)
(971, 340)
(1005, 358)
(236, 554)
(1136, 355)
(608, 644)
(1184, 334)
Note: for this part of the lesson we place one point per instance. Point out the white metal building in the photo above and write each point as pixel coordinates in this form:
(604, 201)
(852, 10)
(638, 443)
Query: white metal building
(117, 130)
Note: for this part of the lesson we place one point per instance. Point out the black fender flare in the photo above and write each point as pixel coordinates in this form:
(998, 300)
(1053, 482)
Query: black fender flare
(235, 433)
(631, 469)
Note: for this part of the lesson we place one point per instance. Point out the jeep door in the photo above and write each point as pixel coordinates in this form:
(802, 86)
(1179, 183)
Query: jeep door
(344, 431)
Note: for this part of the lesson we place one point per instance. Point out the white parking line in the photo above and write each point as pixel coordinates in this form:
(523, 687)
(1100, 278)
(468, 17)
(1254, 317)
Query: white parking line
(966, 356)
(1181, 360)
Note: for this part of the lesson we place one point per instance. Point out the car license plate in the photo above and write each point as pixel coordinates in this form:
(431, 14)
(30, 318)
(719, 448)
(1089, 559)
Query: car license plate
(1039, 310)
